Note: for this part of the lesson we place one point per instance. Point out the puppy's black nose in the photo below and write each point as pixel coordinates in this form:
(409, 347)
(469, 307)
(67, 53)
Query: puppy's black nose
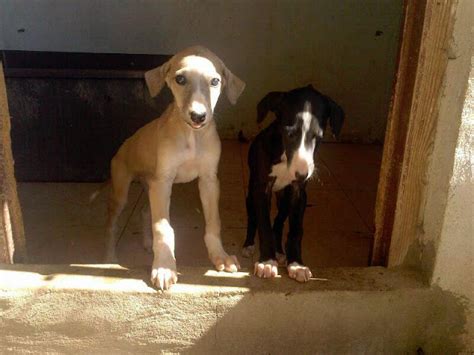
(301, 177)
(197, 117)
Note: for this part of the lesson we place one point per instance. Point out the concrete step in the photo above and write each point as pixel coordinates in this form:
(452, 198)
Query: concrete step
(111, 309)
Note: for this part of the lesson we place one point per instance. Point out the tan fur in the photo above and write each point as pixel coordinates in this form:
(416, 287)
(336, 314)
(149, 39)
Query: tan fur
(170, 150)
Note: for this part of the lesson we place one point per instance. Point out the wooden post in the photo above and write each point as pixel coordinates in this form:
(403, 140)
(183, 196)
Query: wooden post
(12, 236)
(411, 126)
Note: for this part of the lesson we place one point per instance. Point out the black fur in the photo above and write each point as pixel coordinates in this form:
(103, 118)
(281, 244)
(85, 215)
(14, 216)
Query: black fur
(266, 150)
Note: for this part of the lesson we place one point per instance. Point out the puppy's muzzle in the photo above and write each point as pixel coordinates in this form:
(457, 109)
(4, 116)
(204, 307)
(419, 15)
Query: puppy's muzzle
(197, 117)
(301, 177)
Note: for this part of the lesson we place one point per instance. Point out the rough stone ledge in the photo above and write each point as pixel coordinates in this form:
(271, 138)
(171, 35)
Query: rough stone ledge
(108, 309)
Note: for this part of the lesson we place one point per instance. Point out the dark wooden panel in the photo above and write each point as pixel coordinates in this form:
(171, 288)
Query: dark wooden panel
(78, 65)
(69, 129)
(74, 73)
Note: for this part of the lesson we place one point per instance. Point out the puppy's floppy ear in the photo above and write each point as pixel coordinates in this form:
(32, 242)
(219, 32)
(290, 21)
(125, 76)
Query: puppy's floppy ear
(155, 79)
(233, 86)
(270, 102)
(336, 117)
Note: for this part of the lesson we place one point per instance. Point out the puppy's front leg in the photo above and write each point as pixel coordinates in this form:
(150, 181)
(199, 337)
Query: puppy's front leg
(267, 265)
(163, 272)
(296, 269)
(209, 192)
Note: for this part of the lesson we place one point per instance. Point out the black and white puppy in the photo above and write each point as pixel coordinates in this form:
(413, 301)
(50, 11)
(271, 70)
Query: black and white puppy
(281, 160)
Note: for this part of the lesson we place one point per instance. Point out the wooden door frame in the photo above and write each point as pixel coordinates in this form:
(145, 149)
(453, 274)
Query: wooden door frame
(12, 234)
(422, 62)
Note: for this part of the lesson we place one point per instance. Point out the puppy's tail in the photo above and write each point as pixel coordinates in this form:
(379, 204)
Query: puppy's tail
(97, 192)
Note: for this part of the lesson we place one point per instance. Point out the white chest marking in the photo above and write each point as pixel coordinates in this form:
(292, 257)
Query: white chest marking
(282, 173)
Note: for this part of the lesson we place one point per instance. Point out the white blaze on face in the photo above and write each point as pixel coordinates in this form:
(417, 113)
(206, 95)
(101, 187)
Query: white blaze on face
(302, 161)
(197, 104)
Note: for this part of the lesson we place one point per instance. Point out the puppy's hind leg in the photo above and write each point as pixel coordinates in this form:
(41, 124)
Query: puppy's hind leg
(120, 181)
(249, 245)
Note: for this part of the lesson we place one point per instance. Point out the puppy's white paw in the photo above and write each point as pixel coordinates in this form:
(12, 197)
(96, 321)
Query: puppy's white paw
(247, 252)
(281, 258)
(163, 277)
(225, 262)
(266, 269)
(163, 271)
(299, 272)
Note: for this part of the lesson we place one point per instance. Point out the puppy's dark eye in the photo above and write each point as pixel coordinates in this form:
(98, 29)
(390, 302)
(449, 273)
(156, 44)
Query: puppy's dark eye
(180, 79)
(290, 131)
(215, 81)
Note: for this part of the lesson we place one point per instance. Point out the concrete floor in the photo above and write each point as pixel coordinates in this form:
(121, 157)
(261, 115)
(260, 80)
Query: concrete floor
(62, 227)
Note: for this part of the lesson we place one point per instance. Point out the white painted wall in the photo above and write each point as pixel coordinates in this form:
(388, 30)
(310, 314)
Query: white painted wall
(270, 44)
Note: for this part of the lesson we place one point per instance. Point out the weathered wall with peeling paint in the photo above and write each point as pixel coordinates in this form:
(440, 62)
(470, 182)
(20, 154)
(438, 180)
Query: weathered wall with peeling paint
(454, 261)
(446, 226)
